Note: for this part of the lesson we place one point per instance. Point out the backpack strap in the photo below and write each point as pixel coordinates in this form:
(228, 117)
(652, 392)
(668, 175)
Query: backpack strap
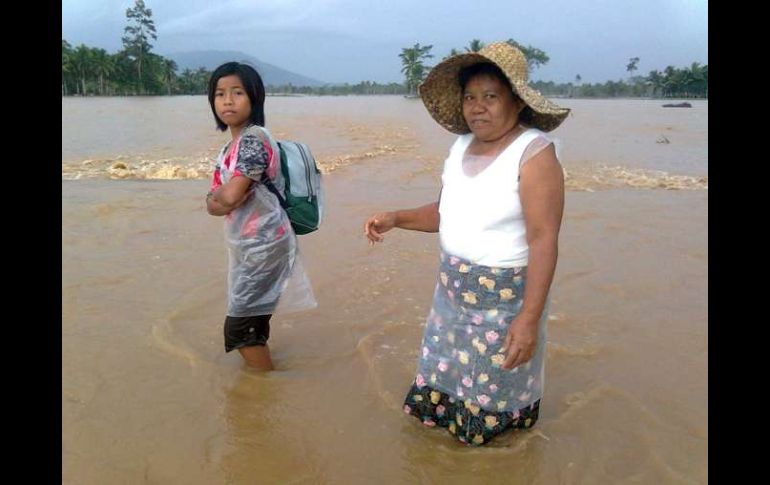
(269, 185)
(265, 179)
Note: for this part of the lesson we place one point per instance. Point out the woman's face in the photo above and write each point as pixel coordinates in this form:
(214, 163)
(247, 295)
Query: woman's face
(489, 107)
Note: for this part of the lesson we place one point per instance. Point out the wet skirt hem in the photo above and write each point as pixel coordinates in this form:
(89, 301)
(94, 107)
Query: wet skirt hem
(465, 420)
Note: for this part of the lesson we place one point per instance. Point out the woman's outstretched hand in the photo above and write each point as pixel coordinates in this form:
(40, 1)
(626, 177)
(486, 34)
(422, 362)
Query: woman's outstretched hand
(377, 225)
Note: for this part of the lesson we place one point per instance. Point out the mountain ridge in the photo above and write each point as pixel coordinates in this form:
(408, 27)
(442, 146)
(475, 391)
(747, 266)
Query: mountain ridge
(272, 75)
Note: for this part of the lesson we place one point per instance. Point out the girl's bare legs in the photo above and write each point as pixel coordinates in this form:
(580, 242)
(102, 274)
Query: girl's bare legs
(257, 357)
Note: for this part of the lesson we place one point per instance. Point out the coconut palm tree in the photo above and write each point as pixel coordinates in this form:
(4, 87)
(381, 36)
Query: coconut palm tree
(413, 68)
(535, 57)
(453, 52)
(102, 66)
(697, 79)
(66, 65)
(81, 64)
(138, 33)
(631, 66)
(576, 85)
(670, 81)
(475, 45)
(169, 73)
(655, 80)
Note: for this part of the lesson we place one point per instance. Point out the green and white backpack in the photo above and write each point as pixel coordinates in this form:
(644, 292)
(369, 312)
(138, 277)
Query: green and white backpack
(302, 198)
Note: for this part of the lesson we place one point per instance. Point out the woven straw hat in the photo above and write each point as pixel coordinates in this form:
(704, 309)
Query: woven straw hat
(440, 92)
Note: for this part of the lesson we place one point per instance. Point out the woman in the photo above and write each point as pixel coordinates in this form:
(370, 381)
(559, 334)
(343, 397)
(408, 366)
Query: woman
(480, 370)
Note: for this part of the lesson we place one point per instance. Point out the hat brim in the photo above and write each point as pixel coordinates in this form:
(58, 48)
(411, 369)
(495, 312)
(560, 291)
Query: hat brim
(441, 95)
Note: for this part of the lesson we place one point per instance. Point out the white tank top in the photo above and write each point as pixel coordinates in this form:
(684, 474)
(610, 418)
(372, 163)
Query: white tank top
(481, 216)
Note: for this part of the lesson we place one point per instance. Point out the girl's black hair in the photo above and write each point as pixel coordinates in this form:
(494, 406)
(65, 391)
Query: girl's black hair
(252, 82)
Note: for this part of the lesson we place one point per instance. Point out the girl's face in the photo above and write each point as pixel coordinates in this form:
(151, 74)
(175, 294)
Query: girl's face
(231, 103)
(489, 107)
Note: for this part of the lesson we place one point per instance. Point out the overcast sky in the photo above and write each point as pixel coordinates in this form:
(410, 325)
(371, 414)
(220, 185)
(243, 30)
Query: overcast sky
(350, 41)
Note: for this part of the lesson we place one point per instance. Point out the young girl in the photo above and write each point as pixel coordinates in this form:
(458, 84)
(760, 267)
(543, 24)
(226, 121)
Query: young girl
(262, 247)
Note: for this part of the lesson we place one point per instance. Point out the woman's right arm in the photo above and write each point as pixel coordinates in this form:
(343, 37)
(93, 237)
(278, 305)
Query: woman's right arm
(424, 218)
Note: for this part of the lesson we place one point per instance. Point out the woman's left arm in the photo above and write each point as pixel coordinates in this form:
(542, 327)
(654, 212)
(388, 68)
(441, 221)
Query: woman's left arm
(541, 190)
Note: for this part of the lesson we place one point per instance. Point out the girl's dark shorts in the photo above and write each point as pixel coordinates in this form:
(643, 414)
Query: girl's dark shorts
(246, 331)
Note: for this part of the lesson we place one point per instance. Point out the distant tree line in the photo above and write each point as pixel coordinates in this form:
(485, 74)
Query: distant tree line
(88, 71)
(364, 87)
(688, 82)
(136, 70)
(414, 68)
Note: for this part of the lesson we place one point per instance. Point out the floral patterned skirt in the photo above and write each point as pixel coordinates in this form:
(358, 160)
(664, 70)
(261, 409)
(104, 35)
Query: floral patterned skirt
(469, 423)
(460, 382)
